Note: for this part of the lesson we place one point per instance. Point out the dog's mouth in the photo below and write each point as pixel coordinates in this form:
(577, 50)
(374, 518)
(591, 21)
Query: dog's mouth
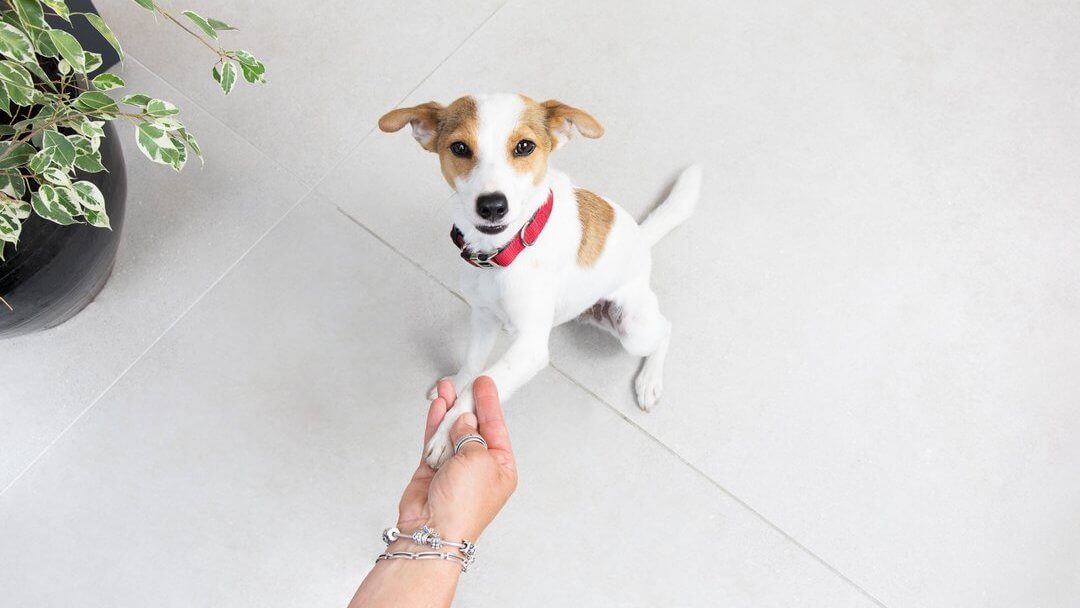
(491, 229)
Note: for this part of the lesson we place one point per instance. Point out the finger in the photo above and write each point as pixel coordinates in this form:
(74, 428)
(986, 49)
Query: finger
(466, 425)
(445, 388)
(434, 416)
(489, 414)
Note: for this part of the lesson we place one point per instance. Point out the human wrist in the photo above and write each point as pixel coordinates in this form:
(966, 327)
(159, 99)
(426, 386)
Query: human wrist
(449, 528)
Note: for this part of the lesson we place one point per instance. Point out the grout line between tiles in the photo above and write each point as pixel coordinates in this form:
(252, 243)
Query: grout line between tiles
(400, 253)
(453, 52)
(149, 347)
(720, 487)
(223, 124)
(757, 514)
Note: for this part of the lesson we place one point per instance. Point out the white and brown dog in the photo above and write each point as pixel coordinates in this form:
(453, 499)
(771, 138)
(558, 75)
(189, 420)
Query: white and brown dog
(537, 251)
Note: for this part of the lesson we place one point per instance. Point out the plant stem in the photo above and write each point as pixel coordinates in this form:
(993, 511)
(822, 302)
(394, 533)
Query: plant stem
(217, 50)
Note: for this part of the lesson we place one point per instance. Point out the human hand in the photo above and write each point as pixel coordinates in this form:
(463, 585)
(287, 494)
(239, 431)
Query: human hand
(467, 492)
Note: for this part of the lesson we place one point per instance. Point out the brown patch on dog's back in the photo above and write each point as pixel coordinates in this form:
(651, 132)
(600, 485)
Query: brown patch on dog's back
(597, 217)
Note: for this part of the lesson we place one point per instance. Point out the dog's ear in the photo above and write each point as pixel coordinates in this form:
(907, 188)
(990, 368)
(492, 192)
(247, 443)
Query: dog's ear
(563, 120)
(424, 119)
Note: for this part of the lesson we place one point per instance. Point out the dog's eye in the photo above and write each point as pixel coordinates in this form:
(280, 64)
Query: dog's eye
(460, 150)
(524, 148)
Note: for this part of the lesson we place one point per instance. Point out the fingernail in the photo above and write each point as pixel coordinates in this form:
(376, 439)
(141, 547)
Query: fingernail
(470, 419)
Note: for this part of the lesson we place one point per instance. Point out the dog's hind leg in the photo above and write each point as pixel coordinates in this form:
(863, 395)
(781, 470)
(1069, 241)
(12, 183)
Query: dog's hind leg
(633, 315)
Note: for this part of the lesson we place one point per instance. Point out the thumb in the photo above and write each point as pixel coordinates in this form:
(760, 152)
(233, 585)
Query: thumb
(465, 425)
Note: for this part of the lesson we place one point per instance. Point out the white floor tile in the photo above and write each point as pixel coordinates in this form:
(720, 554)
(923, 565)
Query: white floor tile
(181, 233)
(332, 66)
(875, 309)
(254, 455)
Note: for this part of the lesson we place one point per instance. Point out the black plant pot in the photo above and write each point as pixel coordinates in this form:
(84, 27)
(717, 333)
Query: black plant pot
(57, 270)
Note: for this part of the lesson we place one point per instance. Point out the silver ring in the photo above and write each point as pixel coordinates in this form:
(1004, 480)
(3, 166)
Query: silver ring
(470, 438)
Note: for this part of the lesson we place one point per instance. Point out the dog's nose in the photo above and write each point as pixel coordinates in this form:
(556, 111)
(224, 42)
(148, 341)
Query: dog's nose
(492, 206)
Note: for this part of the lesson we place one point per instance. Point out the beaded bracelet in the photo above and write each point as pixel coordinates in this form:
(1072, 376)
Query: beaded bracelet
(427, 536)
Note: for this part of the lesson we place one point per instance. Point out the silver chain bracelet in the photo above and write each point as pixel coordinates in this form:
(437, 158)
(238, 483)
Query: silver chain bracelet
(431, 538)
(464, 562)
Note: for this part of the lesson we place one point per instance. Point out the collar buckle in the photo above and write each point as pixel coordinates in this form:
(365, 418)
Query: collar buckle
(483, 259)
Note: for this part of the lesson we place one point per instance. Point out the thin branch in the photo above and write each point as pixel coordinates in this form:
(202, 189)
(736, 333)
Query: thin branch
(217, 50)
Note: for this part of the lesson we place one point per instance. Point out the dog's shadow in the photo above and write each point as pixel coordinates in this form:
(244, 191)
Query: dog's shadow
(589, 339)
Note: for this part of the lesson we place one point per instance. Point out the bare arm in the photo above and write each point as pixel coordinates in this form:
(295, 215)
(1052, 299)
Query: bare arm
(458, 501)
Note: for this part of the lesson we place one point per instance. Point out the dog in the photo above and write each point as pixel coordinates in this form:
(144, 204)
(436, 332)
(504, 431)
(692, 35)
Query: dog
(538, 251)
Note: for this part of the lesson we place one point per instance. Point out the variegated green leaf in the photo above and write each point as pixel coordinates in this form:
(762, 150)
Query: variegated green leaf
(147, 4)
(12, 213)
(97, 217)
(220, 26)
(226, 77)
(191, 142)
(13, 185)
(69, 49)
(56, 176)
(14, 44)
(154, 142)
(96, 101)
(92, 61)
(89, 195)
(253, 69)
(178, 157)
(90, 163)
(107, 82)
(61, 148)
(30, 13)
(17, 82)
(106, 33)
(138, 99)
(92, 130)
(158, 108)
(43, 44)
(202, 23)
(60, 7)
(82, 144)
(41, 161)
(55, 204)
(16, 154)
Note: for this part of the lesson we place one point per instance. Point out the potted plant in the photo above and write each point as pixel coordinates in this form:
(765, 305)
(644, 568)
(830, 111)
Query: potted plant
(62, 184)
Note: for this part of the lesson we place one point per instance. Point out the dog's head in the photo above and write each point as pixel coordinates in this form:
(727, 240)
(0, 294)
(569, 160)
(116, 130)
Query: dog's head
(494, 151)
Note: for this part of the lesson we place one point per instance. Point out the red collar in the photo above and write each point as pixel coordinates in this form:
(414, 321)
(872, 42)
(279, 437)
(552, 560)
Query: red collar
(526, 237)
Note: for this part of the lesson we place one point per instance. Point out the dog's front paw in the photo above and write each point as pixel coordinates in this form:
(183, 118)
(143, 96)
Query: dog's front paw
(648, 386)
(439, 449)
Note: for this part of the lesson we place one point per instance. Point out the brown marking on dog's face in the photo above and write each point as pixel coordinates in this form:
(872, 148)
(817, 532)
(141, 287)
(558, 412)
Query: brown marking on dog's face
(457, 125)
(453, 133)
(437, 128)
(597, 217)
(531, 127)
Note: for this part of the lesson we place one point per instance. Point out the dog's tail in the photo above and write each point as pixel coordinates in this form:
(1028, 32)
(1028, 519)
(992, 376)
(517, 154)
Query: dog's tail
(676, 208)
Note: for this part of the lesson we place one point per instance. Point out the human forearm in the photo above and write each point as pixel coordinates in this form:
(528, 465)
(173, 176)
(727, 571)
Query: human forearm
(408, 584)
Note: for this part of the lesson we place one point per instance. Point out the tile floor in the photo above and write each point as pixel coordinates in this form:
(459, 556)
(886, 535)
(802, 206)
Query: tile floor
(873, 396)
